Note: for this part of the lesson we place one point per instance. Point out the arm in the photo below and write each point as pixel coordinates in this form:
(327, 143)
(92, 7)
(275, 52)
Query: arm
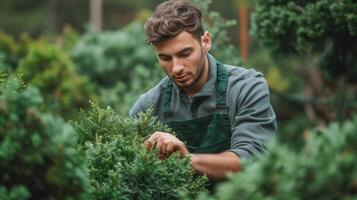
(253, 120)
(253, 124)
(216, 166)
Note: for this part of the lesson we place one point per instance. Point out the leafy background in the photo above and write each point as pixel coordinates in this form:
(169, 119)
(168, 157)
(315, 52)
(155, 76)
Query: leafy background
(53, 66)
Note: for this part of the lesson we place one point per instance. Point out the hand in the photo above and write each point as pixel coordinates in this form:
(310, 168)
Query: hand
(166, 143)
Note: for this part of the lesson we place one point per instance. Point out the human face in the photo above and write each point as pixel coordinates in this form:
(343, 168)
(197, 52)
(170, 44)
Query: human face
(184, 60)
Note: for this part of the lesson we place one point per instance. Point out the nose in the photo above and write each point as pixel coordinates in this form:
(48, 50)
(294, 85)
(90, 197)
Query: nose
(177, 66)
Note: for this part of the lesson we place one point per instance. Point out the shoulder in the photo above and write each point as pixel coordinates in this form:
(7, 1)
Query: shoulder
(151, 98)
(241, 74)
(245, 84)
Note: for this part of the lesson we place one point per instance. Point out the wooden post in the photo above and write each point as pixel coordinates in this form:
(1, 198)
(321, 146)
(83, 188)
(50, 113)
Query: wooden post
(96, 15)
(243, 31)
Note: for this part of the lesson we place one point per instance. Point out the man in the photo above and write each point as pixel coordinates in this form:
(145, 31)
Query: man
(219, 113)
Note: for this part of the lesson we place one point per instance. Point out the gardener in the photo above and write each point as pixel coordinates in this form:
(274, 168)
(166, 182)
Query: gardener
(220, 113)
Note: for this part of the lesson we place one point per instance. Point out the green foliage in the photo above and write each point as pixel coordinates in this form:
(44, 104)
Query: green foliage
(37, 150)
(12, 51)
(68, 38)
(325, 29)
(18, 16)
(49, 68)
(120, 62)
(111, 56)
(222, 47)
(294, 129)
(323, 169)
(15, 193)
(121, 168)
(8, 52)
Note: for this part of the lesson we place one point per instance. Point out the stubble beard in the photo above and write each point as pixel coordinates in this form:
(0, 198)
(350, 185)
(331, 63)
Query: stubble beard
(199, 73)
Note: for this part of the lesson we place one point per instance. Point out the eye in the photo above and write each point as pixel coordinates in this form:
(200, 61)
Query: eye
(164, 58)
(185, 54)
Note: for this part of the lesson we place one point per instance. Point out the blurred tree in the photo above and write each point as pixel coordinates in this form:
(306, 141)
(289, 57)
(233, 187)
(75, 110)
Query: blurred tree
(49, 67)
(17, 16)
(222, 45)
(48, 17)
(119, 62)
(319, 33)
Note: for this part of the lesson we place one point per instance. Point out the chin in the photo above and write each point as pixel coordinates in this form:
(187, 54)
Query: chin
(185, 85)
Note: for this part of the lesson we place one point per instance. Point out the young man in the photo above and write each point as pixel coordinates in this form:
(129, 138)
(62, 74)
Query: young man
(220, 113)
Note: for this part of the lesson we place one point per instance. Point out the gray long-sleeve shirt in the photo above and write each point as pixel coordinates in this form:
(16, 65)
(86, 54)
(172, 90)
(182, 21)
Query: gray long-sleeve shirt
(251, 115)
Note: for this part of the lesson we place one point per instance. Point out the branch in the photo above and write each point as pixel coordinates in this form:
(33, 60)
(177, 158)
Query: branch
(324, 53)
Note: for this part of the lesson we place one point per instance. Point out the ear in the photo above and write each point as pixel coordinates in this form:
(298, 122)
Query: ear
(206, 41)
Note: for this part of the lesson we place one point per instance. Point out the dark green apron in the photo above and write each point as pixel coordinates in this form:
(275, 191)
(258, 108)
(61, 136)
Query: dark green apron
(209, 134)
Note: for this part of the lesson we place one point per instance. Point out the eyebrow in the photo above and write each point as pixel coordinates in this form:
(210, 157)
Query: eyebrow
(178, 53)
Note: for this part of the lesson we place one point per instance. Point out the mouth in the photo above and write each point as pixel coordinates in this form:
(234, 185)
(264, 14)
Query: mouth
(181, 78)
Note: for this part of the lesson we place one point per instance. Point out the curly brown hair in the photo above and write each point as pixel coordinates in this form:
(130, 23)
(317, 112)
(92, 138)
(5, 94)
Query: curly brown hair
(171, 18)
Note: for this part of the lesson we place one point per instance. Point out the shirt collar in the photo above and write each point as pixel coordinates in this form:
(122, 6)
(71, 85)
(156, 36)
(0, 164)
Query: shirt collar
(210, 86)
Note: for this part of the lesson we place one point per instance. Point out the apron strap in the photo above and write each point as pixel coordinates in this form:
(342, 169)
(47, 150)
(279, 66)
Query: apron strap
(166, 111)
(221, 86)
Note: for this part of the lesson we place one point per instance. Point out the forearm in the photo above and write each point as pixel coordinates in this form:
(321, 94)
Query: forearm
(216, 166)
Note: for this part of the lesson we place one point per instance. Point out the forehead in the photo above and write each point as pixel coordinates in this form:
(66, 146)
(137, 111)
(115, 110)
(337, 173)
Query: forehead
(174, 45)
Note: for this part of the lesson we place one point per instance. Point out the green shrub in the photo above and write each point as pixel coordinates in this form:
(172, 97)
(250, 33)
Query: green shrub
(222, 47)
(47, 65)
(37, 150)
(120, 63)
(12, 51)
(324, 169)
(8, 52)
(49, 68)
(68, 38)
(15, 193)
(121, 168)
(323, 29)
(112, 56)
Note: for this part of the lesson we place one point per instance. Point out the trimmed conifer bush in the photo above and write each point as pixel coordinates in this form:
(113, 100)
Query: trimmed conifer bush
(120, 167)
(38, 159)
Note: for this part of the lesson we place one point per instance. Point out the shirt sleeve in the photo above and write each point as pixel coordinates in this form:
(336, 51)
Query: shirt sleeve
(254, 120)
(147, 100)
(138, 106)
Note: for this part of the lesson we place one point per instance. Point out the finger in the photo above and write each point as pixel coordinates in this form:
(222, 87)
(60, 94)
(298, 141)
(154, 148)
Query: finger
(148, 144)
(182, 148)
(170, 148)
(159, 144)
(163, 148)
(161, 156)
(153, 137)
(152, 140)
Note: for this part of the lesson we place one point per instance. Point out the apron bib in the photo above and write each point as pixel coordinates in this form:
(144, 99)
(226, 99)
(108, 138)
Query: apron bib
(209, 134)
